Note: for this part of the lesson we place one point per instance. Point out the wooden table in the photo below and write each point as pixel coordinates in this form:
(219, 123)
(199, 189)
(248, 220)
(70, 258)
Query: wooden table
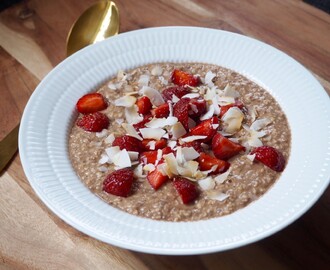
(33, 39)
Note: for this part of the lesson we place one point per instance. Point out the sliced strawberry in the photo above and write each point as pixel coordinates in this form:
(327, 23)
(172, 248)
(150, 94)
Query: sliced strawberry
(271, 157)
(197, 107)
(142, 124)
(151, 156)
(129, 143)
(119, 182)
(196, 144)
(186, 189)
(207, 128)
(90, 103)
(144, 105)
(160, 144)
(180, 110)
(156, 179)
(224, 148)
(206, 162)
(161, 111)
(178, 91)
(182, 78)
(94, 122)
(225, 108)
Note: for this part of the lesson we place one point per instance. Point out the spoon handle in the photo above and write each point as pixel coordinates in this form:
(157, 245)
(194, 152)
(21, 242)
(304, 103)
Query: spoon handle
(8, 147)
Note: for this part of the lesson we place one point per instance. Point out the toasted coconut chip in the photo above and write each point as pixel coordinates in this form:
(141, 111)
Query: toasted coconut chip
(122, 159)
(119, 121)
(111, 152)
(191, 95)
(103, 169)
(152, 133)
(192, 138)
(171, 163)
(134, 156)
(209, 76)
(207, 183)
(149, 167)
(143, 80)
(189, 153)
(233, 120)
(153, 94)
(229, 91)
(132, 116)
(125, 101)
(217, 195)
(221, 178)
(104, 159)
(177, 130)
(208, 114)
(189, 169)
(151, 145)
(225, 100)
(102, 134)
(172, 144)
(162, 122)
(131, 131)
(109, 139)
(157, 70)
(138, 172)
(260, 123)
(251, 157)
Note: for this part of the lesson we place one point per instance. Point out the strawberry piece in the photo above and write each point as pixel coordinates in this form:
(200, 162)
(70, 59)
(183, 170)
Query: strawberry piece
(182, 78)
(156, 179)
(196, 144)
(224, 148)
(142, 124)
(206, 162)
(129, 143)
(90, 103)
(206, 128)
(151, 156)
(225, 108)
(186, 189)
(271, 157)
(197, 107)
(93, 122)
(161, 111)
(180, 110)
(160, 144)
(144, 105)
(119, 182)
(178, 91)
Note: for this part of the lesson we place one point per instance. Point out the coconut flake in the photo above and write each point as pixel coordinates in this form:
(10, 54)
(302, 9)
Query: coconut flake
(131, 131)
(152, 145)
(132, 116)
(119, 121)
(152, 133)
(102, 134)
(125, 101)
(172, 163)
(215, 107)
(111, 152)
(189, 170)
(177, 130)
(207, 183)
(222, 101)
(175, 99)
(191, 95)
(189, 153)
(138, 172)
(233, 120)
(109, 139)
(134, 156)
(260, 123)
(208, 114)
(157, 70)
(192, 138)
(122, 159)
(217, 195)
(104, 159)
(230, 92)
(251, 157)
(172, 144)
(103, 169)
(143, 80)
(162, 122)
(221, 178)
(112, 86)
(163, 80)
(154, 95)
(209, 76)
(149, 167)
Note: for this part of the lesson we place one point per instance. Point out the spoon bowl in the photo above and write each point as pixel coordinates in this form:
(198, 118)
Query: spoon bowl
(97, 23)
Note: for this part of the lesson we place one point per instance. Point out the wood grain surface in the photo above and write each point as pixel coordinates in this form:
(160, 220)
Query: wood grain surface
(33, 39)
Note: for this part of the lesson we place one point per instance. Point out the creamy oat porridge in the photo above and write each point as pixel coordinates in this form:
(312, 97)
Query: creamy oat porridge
(179, 142)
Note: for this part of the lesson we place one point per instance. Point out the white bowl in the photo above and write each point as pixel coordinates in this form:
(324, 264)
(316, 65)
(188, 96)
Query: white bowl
(50, 112)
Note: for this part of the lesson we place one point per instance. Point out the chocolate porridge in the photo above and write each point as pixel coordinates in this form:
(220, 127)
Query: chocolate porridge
(252, 120)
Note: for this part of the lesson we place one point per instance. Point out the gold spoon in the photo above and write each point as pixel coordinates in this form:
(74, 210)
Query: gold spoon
(97, 23)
